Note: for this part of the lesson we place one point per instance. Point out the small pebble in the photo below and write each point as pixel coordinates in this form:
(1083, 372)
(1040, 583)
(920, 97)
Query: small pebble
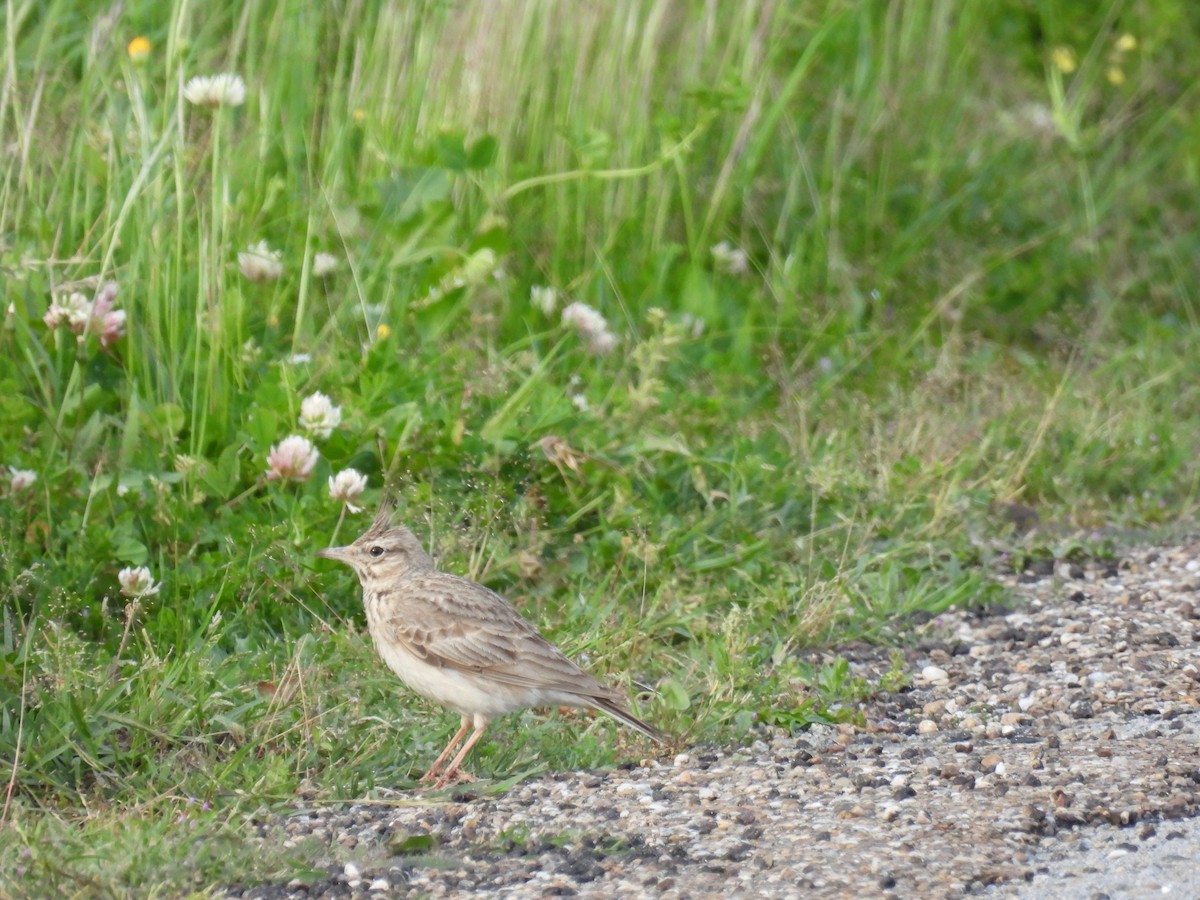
(935, 675)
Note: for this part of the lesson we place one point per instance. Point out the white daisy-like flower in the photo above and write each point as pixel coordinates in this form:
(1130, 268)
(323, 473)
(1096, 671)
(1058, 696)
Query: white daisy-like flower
(324, 264)
(20, 479)
(544, 299)
(591, 326)
(137, 583)
(259, 262)
(318, 415)
(729, 259)
(346, 486)
(225, 89)
(292, 459)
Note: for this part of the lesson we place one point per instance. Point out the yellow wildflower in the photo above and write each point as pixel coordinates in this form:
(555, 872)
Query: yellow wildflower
(1115, 75)
(1064, 59)
(138, 49)
(1126, 42)
(382, 331)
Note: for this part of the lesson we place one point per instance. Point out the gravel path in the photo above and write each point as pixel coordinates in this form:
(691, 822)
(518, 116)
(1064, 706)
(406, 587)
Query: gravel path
(1050, 750)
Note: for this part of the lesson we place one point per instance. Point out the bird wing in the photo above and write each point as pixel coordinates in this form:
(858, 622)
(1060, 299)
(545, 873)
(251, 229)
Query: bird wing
(454, 623)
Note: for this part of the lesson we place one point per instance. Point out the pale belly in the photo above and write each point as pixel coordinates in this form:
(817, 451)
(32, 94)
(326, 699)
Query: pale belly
(463, 692)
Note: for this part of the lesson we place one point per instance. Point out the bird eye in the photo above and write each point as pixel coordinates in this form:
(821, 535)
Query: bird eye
(376, 551)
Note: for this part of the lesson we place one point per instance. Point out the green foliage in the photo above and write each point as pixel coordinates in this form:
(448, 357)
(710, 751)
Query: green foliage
(865, 274)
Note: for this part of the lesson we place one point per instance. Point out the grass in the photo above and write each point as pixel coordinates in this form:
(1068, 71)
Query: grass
(956, 268)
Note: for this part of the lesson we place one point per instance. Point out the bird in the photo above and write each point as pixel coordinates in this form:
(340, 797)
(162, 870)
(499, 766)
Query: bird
(461, 644)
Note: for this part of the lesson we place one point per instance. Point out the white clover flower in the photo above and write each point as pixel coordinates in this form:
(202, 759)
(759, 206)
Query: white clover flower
(324, 264)
(591, 326)
(603, 343)
(55, 315)
(105, 298)
(226, 89)
(318, 415)
(20, 479)
(74, 310)
(259, 262)
(83, 315)
(346, 486)
(544, 299)
(79, 312)
(584, 319)
(137, 583)
(292, 459)
(729, 259)
(111, 326)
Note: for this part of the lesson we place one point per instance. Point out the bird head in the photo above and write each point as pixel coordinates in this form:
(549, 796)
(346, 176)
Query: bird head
(381, 552)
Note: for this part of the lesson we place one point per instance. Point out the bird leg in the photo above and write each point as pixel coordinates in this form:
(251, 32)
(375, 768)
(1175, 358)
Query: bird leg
(453, 772)
(431, 775)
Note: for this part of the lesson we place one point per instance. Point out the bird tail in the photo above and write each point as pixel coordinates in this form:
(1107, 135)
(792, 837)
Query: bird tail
(625, 717)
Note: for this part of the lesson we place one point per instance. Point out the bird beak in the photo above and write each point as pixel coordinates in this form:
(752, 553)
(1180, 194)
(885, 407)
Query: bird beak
(341, 554)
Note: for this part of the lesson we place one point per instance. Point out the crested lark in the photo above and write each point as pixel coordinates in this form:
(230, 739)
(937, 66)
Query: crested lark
(461, 645)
